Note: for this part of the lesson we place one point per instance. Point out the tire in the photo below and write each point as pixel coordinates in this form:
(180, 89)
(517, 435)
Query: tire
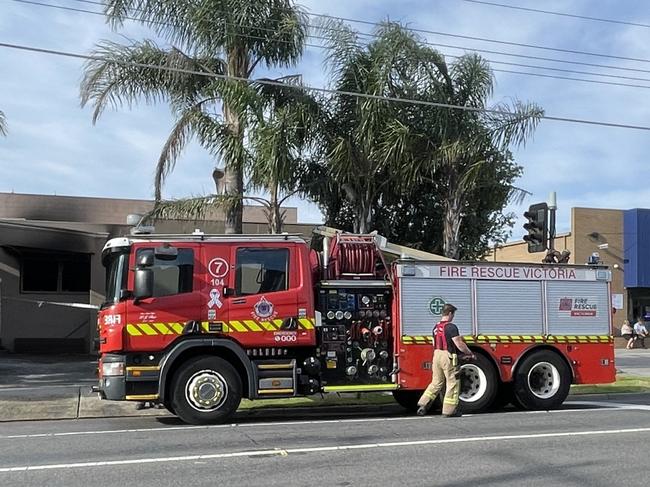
(219, 383)
(168, 405)
(505, 396)
(407, 399)
(542, 381)
(478, 385)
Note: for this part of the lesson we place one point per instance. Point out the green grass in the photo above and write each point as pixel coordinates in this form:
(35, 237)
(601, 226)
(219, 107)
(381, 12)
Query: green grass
(331, 399)
(624, 383)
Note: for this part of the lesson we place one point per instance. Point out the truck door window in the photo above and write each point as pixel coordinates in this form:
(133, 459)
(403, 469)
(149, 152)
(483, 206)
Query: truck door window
(173, 276)
(261, 271)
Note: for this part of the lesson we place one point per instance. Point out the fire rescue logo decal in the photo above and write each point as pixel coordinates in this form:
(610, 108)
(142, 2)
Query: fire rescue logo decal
(585, 306)
(263, 310)
(435, 305)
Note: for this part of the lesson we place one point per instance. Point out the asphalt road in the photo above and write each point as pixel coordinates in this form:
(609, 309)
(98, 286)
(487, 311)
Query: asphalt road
(583, 444)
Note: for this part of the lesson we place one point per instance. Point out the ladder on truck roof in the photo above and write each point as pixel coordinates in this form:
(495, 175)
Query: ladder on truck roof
(382, 243)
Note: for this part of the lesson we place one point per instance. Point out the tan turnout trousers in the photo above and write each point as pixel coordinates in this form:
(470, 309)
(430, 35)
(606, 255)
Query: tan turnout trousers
(444, 367)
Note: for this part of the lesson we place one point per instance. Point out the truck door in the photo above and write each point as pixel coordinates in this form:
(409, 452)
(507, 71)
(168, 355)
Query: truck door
(153, 323)
(263, 298)
(219, 268)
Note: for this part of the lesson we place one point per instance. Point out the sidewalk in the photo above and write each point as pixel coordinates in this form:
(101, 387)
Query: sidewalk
(54, 387)
(46, 387)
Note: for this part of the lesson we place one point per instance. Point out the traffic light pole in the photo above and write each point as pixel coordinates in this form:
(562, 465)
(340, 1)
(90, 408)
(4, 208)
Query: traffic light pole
(552, 206)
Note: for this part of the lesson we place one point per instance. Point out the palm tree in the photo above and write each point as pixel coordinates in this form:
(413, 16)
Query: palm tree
(355, 126)
(283, 130)
(3, 123)
(209, 38)
(376, 146)
(453, 146)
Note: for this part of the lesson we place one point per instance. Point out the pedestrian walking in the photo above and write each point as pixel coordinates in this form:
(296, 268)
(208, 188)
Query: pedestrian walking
(640, 330)
(447, 342)
(627, 332)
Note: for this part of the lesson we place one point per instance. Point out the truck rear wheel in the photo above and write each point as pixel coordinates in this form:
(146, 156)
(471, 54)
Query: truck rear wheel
(542, 381)
(478, 385)
(206, 390)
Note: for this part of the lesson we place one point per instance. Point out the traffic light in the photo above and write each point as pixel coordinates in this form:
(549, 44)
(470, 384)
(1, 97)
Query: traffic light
(537, 227)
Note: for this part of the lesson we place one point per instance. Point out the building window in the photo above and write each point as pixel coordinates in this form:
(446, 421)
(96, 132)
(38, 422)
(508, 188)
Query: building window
(172, 276)
(44, 272)
(261, 271)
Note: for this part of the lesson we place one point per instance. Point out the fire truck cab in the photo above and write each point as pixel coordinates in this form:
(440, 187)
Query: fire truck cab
(198, 322)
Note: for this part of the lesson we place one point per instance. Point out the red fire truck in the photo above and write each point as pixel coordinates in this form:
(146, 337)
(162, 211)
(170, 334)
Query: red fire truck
(198, 322)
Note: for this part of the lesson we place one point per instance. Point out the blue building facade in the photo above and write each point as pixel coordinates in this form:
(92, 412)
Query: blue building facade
(636, 243)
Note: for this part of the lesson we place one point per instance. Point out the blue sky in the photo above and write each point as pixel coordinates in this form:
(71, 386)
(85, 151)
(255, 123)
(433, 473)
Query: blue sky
(53, 148)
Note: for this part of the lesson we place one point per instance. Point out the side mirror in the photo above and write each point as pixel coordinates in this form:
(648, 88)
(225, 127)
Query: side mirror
(143, 284)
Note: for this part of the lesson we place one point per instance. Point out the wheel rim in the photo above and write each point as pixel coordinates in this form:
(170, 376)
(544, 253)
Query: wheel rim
(544, 380)
(206, 390)
(473, 383)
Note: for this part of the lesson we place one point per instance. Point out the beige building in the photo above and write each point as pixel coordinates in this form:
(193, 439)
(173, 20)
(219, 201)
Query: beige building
(593, 230)
(50, 263)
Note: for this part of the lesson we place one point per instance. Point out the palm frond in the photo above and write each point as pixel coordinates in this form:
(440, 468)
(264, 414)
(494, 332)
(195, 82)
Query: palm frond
(111, 82)
(473, 80)
(516, 127)
(195, 208)
(3, 123)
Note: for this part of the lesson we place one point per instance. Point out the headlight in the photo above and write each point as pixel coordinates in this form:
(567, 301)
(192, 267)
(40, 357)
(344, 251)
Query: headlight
(112, 368)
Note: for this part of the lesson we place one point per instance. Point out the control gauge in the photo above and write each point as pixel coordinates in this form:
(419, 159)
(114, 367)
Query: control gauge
(330, 315)
(347, 315)
(339, 315)
(365, 300)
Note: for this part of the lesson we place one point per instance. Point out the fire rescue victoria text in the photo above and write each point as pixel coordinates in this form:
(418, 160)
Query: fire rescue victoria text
(507, 272)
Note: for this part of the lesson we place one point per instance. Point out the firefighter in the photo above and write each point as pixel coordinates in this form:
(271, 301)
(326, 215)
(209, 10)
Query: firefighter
(444, 366)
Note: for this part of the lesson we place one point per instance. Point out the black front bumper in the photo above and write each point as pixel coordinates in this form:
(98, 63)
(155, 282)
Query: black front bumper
(140, 382)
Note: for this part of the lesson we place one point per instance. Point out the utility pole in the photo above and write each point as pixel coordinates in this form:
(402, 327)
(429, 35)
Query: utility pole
(552, 206)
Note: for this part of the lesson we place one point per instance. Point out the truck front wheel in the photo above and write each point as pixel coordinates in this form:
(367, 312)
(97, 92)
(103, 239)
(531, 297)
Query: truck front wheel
(542, 381)
(206, 390)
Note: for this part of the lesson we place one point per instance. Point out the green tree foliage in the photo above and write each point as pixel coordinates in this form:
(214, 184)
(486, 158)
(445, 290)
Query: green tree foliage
(437, 178)
(223, 37)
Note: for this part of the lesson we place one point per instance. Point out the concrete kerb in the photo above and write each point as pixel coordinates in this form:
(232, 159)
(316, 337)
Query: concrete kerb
(80, 403)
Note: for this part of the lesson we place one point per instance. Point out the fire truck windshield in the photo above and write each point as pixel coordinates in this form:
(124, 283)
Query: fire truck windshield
(116, 272)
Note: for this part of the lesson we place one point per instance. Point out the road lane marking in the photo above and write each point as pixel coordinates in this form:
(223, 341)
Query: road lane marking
(208, 427)
(604, 407)
(318, 449)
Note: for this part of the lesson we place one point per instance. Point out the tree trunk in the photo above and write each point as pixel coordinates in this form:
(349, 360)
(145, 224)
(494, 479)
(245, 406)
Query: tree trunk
(364, 217)
(453, 219)
(233, 181)
(275, 213)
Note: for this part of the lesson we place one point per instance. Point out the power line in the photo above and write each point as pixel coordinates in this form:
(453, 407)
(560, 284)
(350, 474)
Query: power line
(459, 36)
(541, 75)
(371, 35)
(319, 89)
(562, 14)
(564, 78)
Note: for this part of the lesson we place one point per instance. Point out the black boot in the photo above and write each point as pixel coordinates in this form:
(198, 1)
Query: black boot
(422, 411)
(456, 414)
